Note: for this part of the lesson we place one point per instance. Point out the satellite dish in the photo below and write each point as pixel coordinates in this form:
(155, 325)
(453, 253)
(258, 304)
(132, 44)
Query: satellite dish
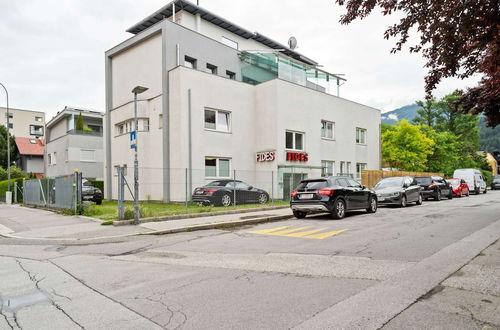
(292, 43)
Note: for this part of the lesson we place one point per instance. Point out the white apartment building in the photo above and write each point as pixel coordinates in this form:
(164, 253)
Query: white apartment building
(223, 102)
(24, 123)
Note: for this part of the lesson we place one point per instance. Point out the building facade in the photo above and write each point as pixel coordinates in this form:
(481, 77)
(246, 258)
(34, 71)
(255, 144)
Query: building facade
(223, 102)
(31, 151)
(68, 148)
(24, 123)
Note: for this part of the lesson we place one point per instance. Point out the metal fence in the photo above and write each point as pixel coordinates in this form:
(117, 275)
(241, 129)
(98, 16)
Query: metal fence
(63, 192)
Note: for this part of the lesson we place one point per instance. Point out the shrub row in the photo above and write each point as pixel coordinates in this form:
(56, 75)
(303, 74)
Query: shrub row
(4, 185)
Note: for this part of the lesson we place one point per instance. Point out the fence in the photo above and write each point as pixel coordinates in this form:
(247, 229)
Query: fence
(370, 177)
(63, 192)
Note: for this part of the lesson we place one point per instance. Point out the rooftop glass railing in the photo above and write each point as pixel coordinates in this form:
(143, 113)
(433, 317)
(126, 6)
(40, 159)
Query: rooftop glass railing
(262, 67)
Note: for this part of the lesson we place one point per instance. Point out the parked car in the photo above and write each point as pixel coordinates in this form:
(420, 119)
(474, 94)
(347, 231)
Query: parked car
(91, 193)
(459, 187)
(223, 192)
(434, 187)
(473, 177)
(399, 190)
(495, 184)
(335, 195)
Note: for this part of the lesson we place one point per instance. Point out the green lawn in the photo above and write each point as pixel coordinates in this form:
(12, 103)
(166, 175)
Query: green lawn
(109, 210)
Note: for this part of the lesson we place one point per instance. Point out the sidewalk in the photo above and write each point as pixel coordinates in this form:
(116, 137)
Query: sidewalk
(29, 223)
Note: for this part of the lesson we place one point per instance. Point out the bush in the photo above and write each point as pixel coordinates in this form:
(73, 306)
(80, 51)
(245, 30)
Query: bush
(144, 212)
(4, 185)
(15, 172)
(488, 177)
(3, 174)
(98, 184)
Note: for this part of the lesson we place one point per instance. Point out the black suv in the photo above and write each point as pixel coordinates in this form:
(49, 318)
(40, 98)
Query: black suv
(435, 187)
(91, 193)
(335, 195)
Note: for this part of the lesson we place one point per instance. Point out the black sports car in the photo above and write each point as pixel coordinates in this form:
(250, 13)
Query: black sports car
(399, 190)
(335, 195)
(224, 192)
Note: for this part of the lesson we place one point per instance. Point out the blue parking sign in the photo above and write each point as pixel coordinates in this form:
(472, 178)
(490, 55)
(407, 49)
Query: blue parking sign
(133, 139)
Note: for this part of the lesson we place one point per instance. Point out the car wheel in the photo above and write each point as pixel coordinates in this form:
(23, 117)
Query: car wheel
(485, 190)
(299, 214)
(338, 209)
(468, 193)
(419, 200)
(372, 208)
(438, 195)
(450, 195)
(226, 200)
(403, 201)
(99, 202)
(477, 191)
(263, 199)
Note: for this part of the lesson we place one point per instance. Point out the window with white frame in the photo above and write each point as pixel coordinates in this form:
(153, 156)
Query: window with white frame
(327, 130)
(360, 136)
(128, 126)
(360, 167)
(230, 43)
(327, 168)
(217, 120)
(39, 119)
(160, 121)
(294, 140)
(342, 168)
(190, 62)
(217, 167)
(52, 158)
(348, 168)
(87, 155)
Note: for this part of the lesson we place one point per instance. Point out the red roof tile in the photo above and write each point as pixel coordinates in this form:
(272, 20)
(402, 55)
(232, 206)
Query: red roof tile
(26, 147)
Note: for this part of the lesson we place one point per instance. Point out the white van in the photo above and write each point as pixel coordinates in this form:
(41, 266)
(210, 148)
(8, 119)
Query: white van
(474, 179)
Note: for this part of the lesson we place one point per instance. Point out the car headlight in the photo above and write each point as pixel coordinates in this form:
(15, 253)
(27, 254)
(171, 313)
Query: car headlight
(396, 194)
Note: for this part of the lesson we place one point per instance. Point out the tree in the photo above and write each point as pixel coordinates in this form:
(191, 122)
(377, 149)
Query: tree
(3, 147)
(80, 126)
(446, 154)
(406, 147)
(427, 115)
(458, 39)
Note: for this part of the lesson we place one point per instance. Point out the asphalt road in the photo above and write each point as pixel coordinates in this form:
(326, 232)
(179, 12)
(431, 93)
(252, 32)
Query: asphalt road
(430, 266)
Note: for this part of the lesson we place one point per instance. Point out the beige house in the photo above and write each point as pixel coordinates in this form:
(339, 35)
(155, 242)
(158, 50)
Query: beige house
(24, 123)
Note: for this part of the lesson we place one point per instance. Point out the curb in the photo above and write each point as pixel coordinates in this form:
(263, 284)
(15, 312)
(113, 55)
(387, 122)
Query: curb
(197, 215)
(220, 224)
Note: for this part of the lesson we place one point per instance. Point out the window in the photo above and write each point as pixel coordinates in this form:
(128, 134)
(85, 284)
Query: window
(327, 130)
(95, 128)
(354, 183)
(160, 121)
(217, 120)
(348, 168)
(327, 168)
(11, 115)
(128, 126)
(32, 141)
(230, 75)
(342, 168)
(52, 158)
(211, 68)
(87, 155)
(36, 130)
(39, 119)
(145, 124)
(190, 62)
(360, 135)
(294, 140)
(230, 43)
(217, 167)
(11, 125)
(359, 168)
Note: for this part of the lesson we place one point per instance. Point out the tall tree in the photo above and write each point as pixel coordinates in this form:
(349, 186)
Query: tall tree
(3, 147)
(80, 126)
(427, 114)
(458, 39)
(406, 147)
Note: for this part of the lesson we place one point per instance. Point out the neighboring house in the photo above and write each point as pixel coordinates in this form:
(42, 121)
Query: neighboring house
(492, 161)
(31, 151)
(222, 98)
(24, 123)
(68, 149)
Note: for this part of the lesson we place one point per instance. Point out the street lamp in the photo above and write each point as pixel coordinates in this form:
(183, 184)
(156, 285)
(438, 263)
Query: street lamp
(136, 90)
(8, 140)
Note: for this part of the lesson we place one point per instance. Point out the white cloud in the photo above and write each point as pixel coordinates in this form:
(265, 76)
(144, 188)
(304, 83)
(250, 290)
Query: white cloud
(52, 51)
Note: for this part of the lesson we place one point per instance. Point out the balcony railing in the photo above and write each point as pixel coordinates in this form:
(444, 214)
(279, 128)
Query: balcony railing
(80, 132)
(262, 67)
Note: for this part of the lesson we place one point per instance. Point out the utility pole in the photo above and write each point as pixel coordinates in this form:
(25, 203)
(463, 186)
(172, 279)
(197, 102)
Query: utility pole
(8, 140)
(136, 90)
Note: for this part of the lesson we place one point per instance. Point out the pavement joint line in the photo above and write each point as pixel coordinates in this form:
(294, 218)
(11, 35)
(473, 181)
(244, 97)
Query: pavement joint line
(384, 300)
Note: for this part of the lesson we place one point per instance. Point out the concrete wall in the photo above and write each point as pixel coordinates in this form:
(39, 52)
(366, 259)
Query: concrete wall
(57, 130)
(21, 121)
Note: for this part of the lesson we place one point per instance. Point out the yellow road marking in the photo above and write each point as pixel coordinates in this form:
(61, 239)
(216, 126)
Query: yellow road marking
(288, 231)
(267, 231)
(327, 234)
(304, 233)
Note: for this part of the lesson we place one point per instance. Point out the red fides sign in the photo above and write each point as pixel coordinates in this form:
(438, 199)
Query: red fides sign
(297, 157)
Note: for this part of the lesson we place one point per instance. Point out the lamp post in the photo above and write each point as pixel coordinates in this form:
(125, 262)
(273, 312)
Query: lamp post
(8, 140)
(137, 90)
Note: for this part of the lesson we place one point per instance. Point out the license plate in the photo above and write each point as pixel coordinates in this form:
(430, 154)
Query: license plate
(306, 196)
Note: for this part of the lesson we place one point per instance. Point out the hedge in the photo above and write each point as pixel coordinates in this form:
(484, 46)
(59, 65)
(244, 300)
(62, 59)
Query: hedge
(98, 184)
(4, 185)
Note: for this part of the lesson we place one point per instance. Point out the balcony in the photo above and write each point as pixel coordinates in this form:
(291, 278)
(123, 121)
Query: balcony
(262, 67)
(84, 132)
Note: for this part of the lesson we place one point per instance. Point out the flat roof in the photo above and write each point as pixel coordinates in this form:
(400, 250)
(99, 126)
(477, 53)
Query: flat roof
(166, 12)
(67, 111)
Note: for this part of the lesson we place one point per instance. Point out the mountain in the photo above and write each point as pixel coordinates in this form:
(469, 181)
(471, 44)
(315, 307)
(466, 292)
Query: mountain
(407, 112)
(490, 137)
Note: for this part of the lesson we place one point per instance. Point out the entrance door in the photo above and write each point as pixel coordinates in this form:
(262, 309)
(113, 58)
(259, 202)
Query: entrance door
(290, 182)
